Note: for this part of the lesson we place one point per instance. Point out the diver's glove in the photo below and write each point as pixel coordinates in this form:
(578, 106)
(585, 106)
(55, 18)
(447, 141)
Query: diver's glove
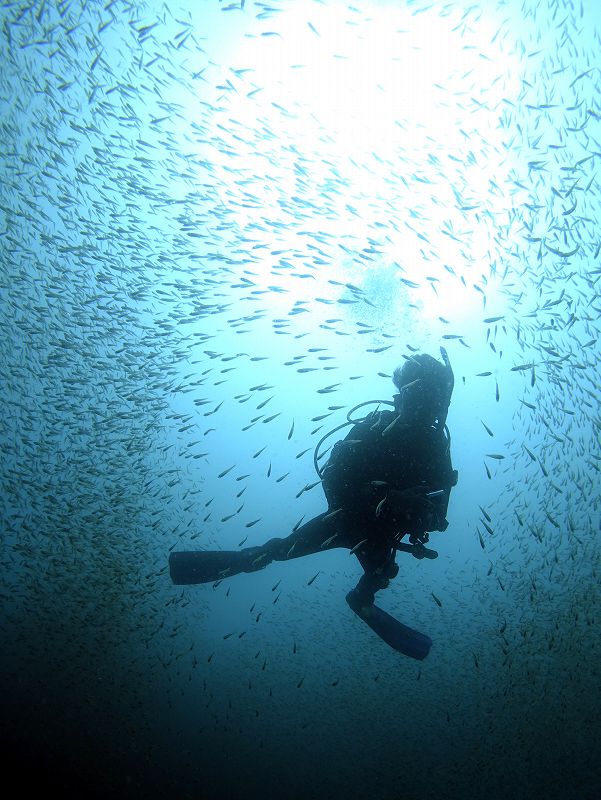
(417, 550)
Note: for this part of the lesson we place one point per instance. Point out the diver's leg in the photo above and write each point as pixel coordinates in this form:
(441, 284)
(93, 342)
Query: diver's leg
(380, 568)
(205, 566)
(323, 532)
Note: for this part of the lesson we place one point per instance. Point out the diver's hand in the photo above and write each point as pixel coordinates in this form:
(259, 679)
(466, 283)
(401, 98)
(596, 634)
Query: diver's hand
(417, 550)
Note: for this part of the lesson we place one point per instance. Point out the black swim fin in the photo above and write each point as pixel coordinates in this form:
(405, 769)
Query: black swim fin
(205, 566)
(400, 637)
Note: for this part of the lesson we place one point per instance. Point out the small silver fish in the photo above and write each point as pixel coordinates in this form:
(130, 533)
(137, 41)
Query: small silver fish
(358, 546)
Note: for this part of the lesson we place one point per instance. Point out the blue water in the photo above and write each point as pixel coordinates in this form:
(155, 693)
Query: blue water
(222, 226)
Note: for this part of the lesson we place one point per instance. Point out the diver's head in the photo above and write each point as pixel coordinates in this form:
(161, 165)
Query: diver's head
(425, 388)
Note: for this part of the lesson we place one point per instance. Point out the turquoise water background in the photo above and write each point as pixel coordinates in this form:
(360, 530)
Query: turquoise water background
(221, 227)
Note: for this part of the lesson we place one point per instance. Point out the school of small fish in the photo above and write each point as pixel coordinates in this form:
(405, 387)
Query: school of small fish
(199, 278)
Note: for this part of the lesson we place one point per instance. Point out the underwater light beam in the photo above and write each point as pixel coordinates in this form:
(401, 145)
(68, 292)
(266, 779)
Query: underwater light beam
(400, 109)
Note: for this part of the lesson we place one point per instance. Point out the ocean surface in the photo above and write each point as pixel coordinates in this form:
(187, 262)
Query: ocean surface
(222, 226)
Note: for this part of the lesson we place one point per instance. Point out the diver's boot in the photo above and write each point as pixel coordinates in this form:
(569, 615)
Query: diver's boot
(359, 603)
(361, 598)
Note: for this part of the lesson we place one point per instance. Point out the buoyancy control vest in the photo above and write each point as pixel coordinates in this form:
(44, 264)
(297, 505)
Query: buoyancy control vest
(381, 456)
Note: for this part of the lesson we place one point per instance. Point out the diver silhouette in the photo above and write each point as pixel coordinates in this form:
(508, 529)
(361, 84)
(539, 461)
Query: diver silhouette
(389, 478)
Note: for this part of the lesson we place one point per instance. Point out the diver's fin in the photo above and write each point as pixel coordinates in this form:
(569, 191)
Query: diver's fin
(203, 566)
(400, 637)
(206, 566)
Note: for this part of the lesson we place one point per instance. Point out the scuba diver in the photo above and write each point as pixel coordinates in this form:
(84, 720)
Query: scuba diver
(390, 478)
